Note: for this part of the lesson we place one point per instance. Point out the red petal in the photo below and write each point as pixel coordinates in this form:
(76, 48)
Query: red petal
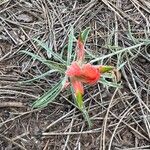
(73, 70)
(90, 74)
(77, 86)
(80, 50)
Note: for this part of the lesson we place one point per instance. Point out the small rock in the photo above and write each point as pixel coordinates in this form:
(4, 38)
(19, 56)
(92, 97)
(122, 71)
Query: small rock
(142, 60)
(25, 18)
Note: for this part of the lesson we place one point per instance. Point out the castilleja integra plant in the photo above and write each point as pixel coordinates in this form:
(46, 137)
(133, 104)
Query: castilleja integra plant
(81, 73)
(77, 73)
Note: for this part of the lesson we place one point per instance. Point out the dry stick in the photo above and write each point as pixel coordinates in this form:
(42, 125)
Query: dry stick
(46, 145)
(32, 43)
(137, 148)
(67, 140)
(94, 14)
(106, 3)
(119, 119)
(131, 127)
(141, 4)
(11, 104)
(97, 130)
(20, 136)
(2, 58)
(57, 15)
(140, 101)
(25, 113)
(78, 140)
(145, 5)
(29, 39)
(17, 92)
(11, 6)
(136, 139)
(50, 22)
(70, 133)
(135, 3)
(109, 148)
(89, 6)
(13, 142)
(105, 119)
(135, 92)
(11, 37)
(58, 120)
(124, 14)
(122, 121)
(79, 146)
(134, 111)
(3, 2)
(147, 124)
(2, 120)
(17, 24)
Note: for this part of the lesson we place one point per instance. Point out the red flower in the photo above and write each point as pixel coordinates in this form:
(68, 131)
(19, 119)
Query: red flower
(77, 86)
(80, 49)
(89, 74)
(73, 70)
(86, 73)
(80, 73)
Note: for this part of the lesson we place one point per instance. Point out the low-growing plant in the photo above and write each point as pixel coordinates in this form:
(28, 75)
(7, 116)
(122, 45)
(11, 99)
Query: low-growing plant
(75, 71)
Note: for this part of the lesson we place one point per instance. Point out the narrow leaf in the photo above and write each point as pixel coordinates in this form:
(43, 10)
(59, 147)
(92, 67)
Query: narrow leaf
(48, 97)
(39, 77)
(79, 100)
(70, 44)
(117, 52)
(84, 34)
(104, 69)
(53, 65)
(45, 46)
(87, 117)
(56, 55)
(107, 83)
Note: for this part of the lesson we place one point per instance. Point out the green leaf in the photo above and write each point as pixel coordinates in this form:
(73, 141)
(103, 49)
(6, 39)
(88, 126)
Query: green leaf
(90, 55)
(45, 46)
(81, 107)
(70, 44)
(107, 75)
(39, 77)
(87, 117)
(118, 52)
(104, 69)
(84, 34)
(53, 65)
(121, 65)
(57, 66)
(34, 56)
(129, 34)
(56, 55)
(107, 83)
(79, 104)
(79, 100)
(48, 97)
